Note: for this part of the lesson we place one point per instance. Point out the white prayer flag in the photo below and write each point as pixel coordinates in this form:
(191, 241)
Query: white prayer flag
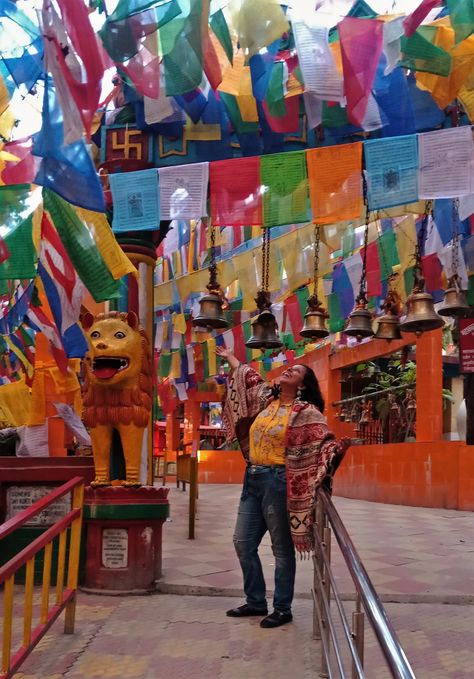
(183, 191)
(445, 162)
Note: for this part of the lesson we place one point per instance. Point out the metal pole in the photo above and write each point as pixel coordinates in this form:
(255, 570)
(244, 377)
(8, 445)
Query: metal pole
(358, 635)
(193, 477)
(326, 593)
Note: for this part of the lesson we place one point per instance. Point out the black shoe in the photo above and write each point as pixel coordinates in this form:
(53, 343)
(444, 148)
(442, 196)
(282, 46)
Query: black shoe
(245, 611)
(276, 619)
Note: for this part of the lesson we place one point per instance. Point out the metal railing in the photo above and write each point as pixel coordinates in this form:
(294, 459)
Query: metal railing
(342, 644)
(65, 597)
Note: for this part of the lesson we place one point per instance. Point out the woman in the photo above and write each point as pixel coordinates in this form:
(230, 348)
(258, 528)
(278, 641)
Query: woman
(290, 452)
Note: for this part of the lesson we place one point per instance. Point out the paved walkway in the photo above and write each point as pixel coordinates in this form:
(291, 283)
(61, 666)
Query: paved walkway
(422, 556)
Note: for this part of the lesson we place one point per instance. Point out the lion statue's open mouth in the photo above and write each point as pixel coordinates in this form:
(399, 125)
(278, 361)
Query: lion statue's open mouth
(105, 367)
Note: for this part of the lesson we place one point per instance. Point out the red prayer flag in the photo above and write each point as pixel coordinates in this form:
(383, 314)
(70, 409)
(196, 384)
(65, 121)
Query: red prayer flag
(413, 20)
(293, 310)
(4, 251)
(361, 46)
(374, 283)
(85, 92)
(24, 170)
(290, 122)
(432, 269)
(235, 192)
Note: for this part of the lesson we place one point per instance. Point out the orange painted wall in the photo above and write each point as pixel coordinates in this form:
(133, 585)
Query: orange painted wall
(221, 466)
(421, 474)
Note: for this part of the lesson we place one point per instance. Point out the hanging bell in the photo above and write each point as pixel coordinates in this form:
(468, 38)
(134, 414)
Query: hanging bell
(210, 314)
(359, 322)
(455, 303)
(421, 315)
(388, 328)
(314, 321)
(264, 332)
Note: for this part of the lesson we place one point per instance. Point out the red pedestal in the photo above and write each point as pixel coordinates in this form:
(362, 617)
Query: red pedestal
(124, 538)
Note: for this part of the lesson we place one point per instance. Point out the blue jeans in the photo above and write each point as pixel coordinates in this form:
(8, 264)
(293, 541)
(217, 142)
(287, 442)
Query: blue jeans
(263, 507)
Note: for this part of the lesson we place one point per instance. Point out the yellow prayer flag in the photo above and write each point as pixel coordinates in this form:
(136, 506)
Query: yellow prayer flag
(335, 182)
(257, 24)
(175, 368)
(211, 353)
(114, 257)
(444, 89)
(201, 131)
(179, 323)
(15, 403)
(163, 294)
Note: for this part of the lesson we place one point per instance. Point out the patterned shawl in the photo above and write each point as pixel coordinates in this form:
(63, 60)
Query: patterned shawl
(312, 452)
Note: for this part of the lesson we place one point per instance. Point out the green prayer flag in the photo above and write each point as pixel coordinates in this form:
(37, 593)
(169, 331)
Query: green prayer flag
(409, 279)
(419, 53)
(16, 212)
(81, 248)
(240, 126)
(470, 291)
(334, 115)
(165, 364)
(205, 359)
(221, 31)
(302, 295)
(336, 321)
(461, 16)
(123, 29)
(388, 253)
(181, 44)
(275, 95)
(285, 186)
(348, 241)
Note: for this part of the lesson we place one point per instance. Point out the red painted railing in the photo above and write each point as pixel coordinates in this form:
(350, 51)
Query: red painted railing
(65, 596)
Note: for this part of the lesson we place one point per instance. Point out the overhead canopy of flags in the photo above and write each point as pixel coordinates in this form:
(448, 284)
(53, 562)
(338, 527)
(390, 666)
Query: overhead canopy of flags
(381, 101)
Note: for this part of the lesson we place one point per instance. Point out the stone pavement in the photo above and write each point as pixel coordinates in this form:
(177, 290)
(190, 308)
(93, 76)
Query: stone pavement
(416, 555)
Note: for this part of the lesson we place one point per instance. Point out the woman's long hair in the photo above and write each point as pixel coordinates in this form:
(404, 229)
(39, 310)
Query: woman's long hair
(311, 390)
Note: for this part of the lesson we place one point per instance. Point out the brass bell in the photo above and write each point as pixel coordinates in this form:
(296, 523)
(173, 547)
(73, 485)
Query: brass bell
(421, 315)
(264, 332)
(314, 321)
(455, 303)
(210, 314)
(388, 328)
(359, 322)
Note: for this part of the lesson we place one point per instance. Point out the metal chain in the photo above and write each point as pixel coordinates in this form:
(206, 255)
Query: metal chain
(317, 242)
(420, 241)
(455, 245)
(212, 254)
(266, 259)
(363, 277)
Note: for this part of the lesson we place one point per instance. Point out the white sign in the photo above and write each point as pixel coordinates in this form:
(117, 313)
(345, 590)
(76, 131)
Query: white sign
(22, 497)
(115, 548)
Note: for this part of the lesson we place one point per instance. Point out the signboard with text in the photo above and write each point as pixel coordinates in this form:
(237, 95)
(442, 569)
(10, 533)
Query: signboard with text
(22, 497)
(466, 345)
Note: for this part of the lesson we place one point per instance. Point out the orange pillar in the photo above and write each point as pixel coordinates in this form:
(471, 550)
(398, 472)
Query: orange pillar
(429, 386)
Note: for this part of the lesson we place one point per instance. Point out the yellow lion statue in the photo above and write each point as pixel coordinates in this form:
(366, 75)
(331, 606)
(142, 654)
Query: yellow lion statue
(117, 391)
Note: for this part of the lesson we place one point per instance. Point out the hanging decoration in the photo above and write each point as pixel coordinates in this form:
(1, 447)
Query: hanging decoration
(315, 317)
(359, 323)
(388, 327)
(212, 304)
(421, 315)
(455, 304)
(264, 327)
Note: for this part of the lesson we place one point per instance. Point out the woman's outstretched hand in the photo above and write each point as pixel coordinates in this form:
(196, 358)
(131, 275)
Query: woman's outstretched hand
(228, 356)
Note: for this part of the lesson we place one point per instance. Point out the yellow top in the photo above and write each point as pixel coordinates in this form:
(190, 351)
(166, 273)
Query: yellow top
(267, 434)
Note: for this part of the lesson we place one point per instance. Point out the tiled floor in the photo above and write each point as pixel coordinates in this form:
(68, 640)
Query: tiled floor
(416, 555)
(411, 554)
